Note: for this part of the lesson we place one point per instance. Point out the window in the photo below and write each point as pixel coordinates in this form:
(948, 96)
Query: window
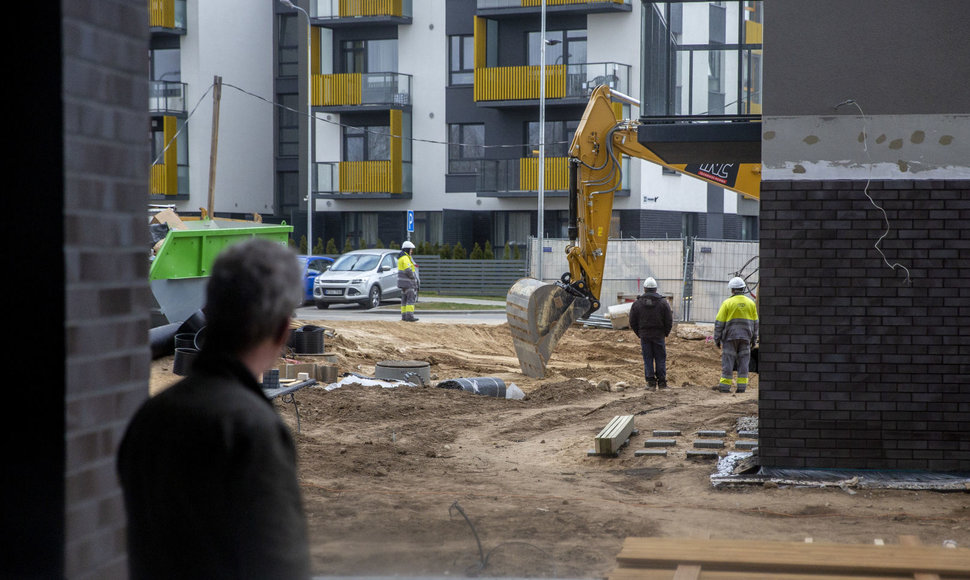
(559, 134)
(567, 47)
(369, 56)
(288, 51)
(289, 125)
(466, 148)
(367, 143)
(461, 58)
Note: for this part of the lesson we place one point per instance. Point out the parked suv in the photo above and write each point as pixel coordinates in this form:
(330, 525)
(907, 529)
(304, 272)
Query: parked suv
(362, 276)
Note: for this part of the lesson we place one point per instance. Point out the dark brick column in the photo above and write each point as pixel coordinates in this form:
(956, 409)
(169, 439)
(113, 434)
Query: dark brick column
(858, 368)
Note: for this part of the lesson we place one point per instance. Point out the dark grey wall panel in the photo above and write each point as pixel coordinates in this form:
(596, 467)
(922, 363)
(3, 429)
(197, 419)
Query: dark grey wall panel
(891, 56)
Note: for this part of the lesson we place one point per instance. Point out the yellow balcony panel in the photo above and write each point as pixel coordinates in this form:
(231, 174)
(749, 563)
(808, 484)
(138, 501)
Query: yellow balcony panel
(753, 32)
(160, 182)
(518, 83)
(161, 13)
(336, 90)
(532, 3)
(358, 8)
(556, 174)
(368, 177)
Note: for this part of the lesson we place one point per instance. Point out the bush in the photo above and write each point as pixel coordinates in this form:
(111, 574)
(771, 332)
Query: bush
(488, 254)
(477, 253)
(445, 252)
(348, 246)
(303, 245)
(515, 253)
(332, 247)
(318, 247)
(379, 244)
(394, 245)
(459, 252)
(507, 252)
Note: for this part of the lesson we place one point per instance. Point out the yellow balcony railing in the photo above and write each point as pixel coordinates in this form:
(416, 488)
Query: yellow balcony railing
(518, 82)
(355, 8)
(557, 174)
(160, 181)
(338, 89)
(161, 13)
(367, 177)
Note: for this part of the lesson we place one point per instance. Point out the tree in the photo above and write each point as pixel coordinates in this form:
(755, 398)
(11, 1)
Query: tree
(477, 253)
(379, 244)
(332, 247)
(459, 252)
(488, 254)
(348, 246)
(318, 247)
(303, 244)
(445, 252)
(507, 253)
(394, 245)
(515, 252)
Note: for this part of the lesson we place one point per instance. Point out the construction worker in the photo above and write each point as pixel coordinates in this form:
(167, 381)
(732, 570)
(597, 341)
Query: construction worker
(736, 328)
(407, 281)
(651, 319)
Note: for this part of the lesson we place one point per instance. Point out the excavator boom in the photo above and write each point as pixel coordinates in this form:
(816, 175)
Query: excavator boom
(539, 313)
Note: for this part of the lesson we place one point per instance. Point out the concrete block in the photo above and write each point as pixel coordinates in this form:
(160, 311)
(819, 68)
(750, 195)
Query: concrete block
(695, 454)
(650, 453)
(748, 433)
(712, 433)
(708, 443)
(665, 433)
(744, 444)
(659, 443)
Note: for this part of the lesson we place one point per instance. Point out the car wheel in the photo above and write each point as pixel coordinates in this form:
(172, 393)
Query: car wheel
(323, 305)
(373, 298)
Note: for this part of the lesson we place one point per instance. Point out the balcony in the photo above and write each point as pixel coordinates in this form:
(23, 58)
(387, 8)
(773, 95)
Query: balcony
(568, 84)
(520, 177)
(166, 98)
(167, 16)
(339, 92)
(498, 8)
(363, 179)
(334, 13)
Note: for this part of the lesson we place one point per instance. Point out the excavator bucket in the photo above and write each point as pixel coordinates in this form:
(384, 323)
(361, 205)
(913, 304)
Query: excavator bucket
(539, 313)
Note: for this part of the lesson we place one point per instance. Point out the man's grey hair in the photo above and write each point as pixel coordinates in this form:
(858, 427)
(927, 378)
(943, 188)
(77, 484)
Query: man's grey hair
(253, 289)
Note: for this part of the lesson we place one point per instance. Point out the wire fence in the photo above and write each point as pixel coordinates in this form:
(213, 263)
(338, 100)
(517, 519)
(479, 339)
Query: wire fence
(693, 274)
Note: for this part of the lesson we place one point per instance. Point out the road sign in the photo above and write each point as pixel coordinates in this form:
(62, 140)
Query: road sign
(410, 222)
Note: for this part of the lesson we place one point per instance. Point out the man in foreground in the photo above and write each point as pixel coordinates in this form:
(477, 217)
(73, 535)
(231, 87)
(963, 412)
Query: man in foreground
(736, 327)
(207, 467)
(651, 319)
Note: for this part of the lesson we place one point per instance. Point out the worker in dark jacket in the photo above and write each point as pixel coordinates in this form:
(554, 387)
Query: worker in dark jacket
(651, 319)
(407, 281)
(207, 467)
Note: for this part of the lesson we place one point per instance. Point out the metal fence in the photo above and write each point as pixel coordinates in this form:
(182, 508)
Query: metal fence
(694, 275)
(469, 277)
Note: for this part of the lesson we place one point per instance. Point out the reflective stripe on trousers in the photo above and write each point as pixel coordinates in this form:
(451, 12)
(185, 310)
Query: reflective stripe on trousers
(408, 297)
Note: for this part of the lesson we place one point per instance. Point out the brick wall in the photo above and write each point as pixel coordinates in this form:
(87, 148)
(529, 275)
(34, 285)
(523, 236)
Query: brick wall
(106, 162)
(859, 369)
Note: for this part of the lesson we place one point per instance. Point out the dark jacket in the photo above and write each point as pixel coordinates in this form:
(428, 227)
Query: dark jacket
(650, 316)
(208, 471)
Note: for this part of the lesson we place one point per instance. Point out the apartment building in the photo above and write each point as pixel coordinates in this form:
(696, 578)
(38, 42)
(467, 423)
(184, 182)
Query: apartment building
(192, 149)
(434, 107)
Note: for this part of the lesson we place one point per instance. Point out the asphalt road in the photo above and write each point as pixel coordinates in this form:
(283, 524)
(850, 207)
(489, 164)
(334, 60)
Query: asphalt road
(390, 311)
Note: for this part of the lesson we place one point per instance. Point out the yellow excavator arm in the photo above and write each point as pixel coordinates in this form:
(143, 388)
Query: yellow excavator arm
(539, 313)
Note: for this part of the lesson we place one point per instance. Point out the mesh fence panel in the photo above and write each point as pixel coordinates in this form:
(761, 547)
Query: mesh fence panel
(714, 263)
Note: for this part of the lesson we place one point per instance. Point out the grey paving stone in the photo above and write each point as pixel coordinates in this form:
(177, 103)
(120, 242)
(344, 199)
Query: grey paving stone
(695, 454)
(659, 443)
(708, 443)
(712, 433)
(665, 433)
(745, 444)
(650, 452)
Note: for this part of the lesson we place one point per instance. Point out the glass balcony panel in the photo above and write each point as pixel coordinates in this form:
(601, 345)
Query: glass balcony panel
(562, 81)
(389, 89)
(493, 4)
(334, 9)
(166, 97)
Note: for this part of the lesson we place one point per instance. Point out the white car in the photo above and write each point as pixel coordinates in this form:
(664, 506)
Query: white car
(362, 276)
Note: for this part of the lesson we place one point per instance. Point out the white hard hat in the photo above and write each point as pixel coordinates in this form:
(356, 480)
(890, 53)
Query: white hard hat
(649, 284)
(407, 246)
(736, 283)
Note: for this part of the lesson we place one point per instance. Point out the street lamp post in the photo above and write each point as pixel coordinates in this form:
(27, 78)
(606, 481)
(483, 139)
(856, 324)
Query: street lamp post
(542, 135)
(309, 130)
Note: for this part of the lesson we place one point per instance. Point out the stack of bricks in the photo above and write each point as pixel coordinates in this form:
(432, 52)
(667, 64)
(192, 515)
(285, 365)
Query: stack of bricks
(858, 367)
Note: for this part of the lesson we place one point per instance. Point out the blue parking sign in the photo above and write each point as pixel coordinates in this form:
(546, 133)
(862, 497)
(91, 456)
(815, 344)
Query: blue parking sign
(410, 222)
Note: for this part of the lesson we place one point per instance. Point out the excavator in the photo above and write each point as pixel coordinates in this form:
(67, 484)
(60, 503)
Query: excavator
(539, 313)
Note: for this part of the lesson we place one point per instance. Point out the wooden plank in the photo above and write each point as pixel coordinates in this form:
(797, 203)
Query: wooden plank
(792, 557)
(614, 435)
(908, 540)
(664, 574)
(687, 572)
